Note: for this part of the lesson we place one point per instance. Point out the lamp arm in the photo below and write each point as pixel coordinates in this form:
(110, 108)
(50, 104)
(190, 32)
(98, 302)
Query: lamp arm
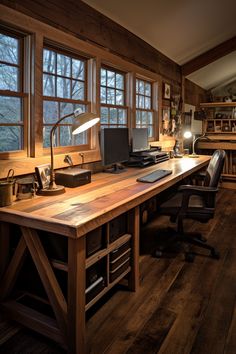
(194, 142)
(200, 137)
(52, 174)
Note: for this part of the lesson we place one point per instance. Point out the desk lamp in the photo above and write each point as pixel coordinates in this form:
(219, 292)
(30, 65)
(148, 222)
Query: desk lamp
(82, 122)
(187, 134)
(194, 142)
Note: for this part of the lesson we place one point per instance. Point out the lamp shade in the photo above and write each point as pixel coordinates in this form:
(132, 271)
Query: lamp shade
(83, 121)
(187, 134)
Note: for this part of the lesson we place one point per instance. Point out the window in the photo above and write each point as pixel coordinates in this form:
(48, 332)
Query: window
(144, 111)
(45, 75)
(112, 98)
(64, 90)
(12, 127)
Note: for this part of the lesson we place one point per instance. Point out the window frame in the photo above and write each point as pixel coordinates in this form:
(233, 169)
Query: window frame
(35, 36)
(110, 105)
(21, 93)
(154, 106)
(73, 54)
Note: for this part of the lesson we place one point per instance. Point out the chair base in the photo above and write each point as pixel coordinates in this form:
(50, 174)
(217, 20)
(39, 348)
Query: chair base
(190, 238)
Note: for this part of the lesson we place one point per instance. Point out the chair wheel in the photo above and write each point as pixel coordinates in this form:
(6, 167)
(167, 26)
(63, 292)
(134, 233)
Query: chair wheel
(189, 257)
(215, 254)
(158, 254)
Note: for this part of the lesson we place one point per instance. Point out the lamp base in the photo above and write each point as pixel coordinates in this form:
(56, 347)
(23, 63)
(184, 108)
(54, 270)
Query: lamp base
(53, 191)
(193, 155)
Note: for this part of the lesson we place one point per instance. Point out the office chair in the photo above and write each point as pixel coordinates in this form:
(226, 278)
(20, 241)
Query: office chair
(196, 203)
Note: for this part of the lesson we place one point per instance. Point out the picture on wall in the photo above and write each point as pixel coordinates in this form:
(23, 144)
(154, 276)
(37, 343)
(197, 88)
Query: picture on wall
(166, 121)
(166, 91)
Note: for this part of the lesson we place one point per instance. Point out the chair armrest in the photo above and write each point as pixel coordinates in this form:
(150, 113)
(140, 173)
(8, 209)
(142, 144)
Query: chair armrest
(197, 189)
(207, 194)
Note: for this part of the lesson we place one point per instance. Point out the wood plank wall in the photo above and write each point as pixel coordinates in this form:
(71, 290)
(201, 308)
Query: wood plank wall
(83, 21)
(194, 94)
(86, 23)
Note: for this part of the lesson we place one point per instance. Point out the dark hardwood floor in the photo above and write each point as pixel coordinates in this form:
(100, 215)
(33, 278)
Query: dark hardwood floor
(180, 308)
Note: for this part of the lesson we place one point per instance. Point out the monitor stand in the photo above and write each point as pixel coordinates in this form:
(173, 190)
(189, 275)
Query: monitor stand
(116, 168)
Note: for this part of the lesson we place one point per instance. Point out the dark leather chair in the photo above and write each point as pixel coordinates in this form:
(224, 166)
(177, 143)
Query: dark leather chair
(197, 203)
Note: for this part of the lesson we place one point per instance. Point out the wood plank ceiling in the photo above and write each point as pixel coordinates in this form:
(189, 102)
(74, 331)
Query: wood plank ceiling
(198, 35)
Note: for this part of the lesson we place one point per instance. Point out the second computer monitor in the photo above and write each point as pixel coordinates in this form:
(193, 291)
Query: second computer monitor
(140, 139)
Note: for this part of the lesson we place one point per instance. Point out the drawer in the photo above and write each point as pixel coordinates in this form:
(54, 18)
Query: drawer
(118, 271)
(120, 260)
(94, 289)
(119, 251)
(96, 271)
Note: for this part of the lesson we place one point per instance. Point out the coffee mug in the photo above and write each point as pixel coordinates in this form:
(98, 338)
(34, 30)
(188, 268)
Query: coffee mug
(7, 189)
(25, 188)
(6, 193)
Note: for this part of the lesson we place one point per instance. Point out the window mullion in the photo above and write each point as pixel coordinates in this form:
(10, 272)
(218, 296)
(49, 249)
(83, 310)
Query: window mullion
(66, 86)
(114, 112)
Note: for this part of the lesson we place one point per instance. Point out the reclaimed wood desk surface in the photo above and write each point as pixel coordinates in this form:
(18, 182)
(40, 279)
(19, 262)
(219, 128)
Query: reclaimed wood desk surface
(78, 210)
(74, 214)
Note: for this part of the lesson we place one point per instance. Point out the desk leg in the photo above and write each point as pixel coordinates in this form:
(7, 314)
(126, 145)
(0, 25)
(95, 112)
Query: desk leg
(76, 295)
(13, 269)
(134, 229)
(4, 247)
(48, 278)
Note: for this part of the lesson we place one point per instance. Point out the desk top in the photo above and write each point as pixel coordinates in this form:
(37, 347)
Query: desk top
(84, 208)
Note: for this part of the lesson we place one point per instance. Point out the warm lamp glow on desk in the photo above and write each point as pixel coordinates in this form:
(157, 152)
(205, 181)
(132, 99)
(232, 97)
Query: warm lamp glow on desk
(82, 122)
(188, 135)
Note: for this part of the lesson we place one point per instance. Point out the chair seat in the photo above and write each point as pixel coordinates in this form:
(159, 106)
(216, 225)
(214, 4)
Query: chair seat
(195, 201)
(196, 209)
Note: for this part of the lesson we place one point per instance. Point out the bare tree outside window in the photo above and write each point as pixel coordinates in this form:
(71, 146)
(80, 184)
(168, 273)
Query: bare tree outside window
(11, 103)
(64, 90)
(144, 111)
(112, 97)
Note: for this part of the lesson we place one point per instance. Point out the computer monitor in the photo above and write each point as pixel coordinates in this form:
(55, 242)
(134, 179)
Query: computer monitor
(114, 148)
(140, 139)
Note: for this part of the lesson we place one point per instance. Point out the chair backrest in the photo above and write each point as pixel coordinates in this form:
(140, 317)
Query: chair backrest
(214, 169)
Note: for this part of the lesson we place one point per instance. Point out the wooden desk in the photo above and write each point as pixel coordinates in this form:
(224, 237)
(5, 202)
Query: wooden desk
(73, 217)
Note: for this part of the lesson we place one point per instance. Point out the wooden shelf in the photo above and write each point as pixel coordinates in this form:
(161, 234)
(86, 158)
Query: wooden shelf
(220, 118)
(95, 257)
(217, 104)
(220, 127)
(111, 247)
(215, 144)
(107, 288)
(227, 133)
(228, 175)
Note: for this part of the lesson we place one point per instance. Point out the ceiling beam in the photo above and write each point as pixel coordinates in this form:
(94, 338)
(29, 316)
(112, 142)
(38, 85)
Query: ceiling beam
(208, 57)
(224, 83)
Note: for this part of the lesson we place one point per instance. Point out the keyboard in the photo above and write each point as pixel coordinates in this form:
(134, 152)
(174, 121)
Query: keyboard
(154, 176)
